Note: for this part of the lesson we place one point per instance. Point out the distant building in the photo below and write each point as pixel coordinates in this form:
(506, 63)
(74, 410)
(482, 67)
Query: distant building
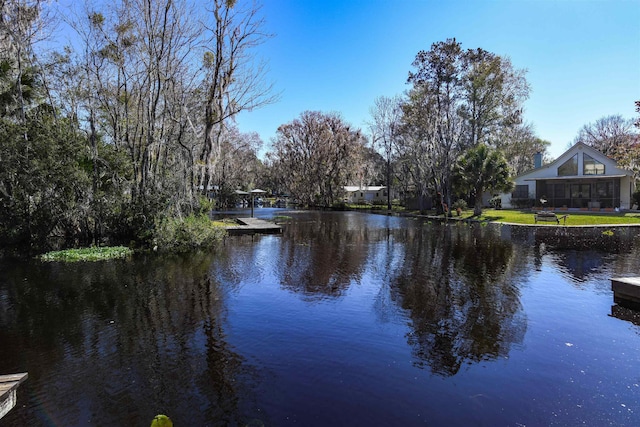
(365, 194)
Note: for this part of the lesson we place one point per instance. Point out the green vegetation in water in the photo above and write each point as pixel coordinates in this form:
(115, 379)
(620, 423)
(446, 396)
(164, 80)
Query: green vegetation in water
(281, 218)
(88, 254)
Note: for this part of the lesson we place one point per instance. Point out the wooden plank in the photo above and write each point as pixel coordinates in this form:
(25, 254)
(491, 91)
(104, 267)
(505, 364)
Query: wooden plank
(626, 290)
(253, 225)
(8, 386)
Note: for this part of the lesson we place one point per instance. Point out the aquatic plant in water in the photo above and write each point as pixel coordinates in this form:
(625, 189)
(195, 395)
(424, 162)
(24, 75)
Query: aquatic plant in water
(87, 254)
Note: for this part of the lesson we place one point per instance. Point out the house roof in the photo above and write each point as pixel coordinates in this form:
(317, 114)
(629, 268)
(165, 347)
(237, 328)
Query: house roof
(539, 173)
(561, 178)
(353, 188)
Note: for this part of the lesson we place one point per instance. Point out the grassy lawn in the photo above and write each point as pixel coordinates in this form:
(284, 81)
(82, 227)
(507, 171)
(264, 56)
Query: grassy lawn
(574, 218)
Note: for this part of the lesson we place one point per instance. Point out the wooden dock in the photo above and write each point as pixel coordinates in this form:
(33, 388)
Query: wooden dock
(8, 386)
(626, 291)
(252, 226)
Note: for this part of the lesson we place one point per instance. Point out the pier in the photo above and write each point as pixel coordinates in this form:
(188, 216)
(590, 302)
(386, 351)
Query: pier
(626, 291)
(8, 386)
(252, 226)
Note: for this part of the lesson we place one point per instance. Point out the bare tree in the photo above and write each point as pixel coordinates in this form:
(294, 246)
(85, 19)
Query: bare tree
(314, 156)
(385, 129)
(234, 80)
(611, 135)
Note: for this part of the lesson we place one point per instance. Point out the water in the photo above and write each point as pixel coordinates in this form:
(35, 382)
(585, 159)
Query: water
(344, 319)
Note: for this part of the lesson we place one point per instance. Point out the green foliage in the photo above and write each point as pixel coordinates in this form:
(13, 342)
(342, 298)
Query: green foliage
(87, 254)
(459, 204)
(482, 169)
(185, 234)
(636, 197)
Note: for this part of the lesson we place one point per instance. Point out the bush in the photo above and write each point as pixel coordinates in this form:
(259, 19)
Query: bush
(496, 202)
(460, 203)
(185, 234)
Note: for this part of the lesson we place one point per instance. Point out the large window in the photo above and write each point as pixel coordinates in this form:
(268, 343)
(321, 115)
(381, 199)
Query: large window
(569, 168)
(591, 166)
(580, 191)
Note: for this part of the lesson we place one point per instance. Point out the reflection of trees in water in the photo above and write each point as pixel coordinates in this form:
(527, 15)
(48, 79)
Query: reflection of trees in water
(458, 285)
(321, 258)
(125, 339)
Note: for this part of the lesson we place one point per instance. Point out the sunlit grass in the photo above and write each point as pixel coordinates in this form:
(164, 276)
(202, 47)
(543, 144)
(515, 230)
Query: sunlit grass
(573, 218)
(87, 254)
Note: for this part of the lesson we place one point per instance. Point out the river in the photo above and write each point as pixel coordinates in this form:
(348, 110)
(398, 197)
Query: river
(343, 319)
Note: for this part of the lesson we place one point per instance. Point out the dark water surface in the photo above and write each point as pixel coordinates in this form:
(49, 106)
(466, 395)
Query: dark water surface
(344, 319)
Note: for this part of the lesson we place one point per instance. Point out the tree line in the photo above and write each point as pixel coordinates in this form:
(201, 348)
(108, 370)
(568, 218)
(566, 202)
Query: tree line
(457, 132)
(459, 102)
(132, 123)
(101, 141)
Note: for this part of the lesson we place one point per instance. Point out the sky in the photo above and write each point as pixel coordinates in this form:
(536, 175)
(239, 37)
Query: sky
(582, 56)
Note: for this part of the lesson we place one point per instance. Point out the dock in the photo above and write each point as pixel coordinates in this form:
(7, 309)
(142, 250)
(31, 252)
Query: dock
(8, 386)
(626, 291)
(252, 226)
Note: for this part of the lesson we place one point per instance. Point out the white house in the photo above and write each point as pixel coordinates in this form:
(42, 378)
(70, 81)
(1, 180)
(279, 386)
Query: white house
(365, 194)
(581, 178)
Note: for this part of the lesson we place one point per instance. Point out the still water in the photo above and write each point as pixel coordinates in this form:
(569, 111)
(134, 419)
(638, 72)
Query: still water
(343, 319)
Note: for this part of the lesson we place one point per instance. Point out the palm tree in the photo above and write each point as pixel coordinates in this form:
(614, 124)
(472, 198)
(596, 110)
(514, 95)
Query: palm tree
(482, 169)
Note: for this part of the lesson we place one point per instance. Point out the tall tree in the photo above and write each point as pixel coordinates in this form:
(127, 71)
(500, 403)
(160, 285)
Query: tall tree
(234, 80)
(519, 144)
(385, 127)
(458, 100)
(611, 135)
(314, 156)
(482, 169)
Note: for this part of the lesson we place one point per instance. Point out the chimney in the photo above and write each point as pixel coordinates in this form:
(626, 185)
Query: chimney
(537, 160)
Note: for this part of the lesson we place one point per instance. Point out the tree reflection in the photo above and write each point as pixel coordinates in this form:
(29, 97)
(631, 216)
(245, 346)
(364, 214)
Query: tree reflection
(122, 339)
(459, 288)
(316, 269)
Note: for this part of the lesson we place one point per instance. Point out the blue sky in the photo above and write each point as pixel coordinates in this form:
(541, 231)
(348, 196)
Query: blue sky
(582, 57)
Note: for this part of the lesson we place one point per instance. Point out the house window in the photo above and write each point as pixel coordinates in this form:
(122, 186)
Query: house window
(521, 192)
(591, 166)
(580, 191)
(569, 168)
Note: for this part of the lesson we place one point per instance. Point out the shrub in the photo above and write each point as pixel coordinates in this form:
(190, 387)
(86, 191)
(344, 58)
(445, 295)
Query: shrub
(496, 202)
(185, 234)
(636, 197)
(460, 203)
